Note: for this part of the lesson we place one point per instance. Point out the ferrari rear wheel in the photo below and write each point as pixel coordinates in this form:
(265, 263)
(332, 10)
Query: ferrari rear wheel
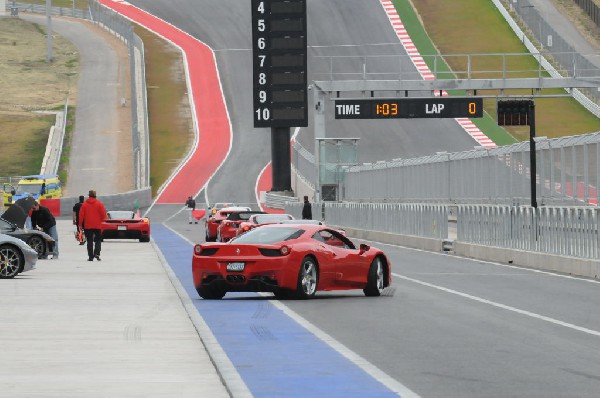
(145, 239)
(37, 244)
(308, 276)
(210, 292)
(11, 261)
(375, 279)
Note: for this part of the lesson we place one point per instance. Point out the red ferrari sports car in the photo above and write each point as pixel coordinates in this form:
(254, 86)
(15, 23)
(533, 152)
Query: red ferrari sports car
(228, 228)
(212, 223)
(261, 219)
(125, 225)
(290, 261)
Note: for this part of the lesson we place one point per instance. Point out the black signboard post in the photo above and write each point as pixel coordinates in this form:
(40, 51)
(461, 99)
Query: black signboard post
(279, 77)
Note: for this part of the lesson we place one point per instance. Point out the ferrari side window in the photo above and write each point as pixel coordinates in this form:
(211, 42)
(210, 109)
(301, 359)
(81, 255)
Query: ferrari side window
(318, 237)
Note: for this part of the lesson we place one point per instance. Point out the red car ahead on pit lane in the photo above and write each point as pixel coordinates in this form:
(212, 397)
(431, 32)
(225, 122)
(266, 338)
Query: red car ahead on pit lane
(229, 227)
(125, 225)
(289, 261)
(212, 223)
(261, 219)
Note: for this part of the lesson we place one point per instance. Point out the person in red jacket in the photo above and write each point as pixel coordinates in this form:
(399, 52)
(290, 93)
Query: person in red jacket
(92, 214)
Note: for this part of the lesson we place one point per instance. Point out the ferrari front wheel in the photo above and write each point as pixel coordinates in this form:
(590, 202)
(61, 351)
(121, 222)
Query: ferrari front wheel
(308, 276)
(375, 279)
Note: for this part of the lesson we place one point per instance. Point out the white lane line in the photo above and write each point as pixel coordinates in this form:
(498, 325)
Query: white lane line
(353, 357)
(498, 305)
(538, 271)
(224, 367)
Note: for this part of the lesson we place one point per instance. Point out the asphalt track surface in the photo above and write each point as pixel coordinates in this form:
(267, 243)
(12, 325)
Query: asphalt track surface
(453, 328)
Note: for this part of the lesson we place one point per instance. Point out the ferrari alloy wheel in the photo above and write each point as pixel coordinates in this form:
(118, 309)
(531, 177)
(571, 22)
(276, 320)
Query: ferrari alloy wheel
(211, 292)
(307, 279)
(375, 279)
(37, 243)
(11, 261)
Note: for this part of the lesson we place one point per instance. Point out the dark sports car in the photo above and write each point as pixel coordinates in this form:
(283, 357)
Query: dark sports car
(126, 225)
(40, 241)
(290, 261)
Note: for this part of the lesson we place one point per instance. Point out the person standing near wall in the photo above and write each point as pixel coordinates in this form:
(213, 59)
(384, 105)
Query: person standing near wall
(91, 215)
(306, 210)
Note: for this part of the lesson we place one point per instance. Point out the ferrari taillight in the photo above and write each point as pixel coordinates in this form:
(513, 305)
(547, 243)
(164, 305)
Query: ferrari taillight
(246, 228)
(197, 250)
(145, 220)
(285, 250)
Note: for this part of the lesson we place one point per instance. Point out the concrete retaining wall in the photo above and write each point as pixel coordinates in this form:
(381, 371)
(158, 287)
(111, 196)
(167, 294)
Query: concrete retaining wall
(120, 201)
(542, 261)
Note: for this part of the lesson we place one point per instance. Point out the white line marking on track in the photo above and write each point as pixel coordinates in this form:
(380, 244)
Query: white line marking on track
(353, 357)
(505, 307)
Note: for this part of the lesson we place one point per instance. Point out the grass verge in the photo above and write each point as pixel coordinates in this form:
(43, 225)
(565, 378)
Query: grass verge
(28, 83)
(465, 26)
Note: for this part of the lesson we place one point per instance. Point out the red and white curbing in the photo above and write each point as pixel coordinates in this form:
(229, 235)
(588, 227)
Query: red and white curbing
(426, 73)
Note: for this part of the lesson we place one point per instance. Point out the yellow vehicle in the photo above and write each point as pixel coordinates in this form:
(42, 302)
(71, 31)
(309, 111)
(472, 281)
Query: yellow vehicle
(6, 194)
(40, 186)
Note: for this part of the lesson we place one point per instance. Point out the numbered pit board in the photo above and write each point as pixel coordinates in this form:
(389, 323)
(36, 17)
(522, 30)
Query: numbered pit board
(279, 63)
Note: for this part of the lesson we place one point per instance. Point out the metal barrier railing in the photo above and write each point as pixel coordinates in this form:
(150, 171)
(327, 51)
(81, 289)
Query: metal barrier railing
(567, 231)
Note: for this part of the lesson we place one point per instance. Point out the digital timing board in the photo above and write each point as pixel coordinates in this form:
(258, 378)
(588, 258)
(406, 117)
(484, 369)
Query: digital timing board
(409, 108)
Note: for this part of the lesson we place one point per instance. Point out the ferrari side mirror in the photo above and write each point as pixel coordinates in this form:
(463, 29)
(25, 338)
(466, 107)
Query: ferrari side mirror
(364, 248)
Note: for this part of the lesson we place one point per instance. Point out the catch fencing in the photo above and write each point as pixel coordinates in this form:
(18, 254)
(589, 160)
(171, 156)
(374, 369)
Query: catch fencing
(423, 220)
(559, 230)
(568, 173)
(566, 231)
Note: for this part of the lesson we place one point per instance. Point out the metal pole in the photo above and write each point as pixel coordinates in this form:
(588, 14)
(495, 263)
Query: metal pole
(49, 30)
(532, 159)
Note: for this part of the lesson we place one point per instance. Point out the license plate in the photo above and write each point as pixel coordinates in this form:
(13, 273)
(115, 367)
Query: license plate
(122, 227)
(236, 266)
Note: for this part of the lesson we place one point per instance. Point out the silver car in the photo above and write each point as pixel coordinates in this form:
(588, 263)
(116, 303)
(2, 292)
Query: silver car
(15, 256)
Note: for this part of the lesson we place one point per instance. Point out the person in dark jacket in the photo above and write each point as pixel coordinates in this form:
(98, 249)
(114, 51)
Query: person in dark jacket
(42, 218)
(191, 206)
(306, 210)
(76, 209)
(92, 214)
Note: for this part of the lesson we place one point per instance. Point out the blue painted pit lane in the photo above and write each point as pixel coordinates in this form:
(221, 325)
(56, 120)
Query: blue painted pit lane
(274, 355)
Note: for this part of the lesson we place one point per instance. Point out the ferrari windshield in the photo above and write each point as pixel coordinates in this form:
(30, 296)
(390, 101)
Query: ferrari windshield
(266, 235)
(270, 218)
(28, 188)
(120, 214)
